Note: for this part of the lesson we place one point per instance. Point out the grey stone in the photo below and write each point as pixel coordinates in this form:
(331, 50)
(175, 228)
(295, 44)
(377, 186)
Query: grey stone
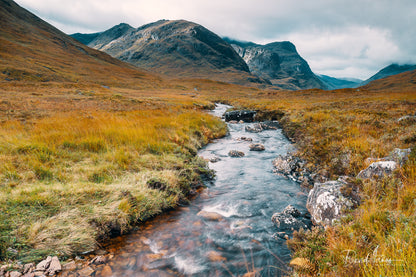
(289, 219)
(54, 267)
(256, 147)
(99, 260)
(236, 154)
(15, 274)
(378, 169)
(400, 156)
(326, 203)
(28, 268)
(43, 265)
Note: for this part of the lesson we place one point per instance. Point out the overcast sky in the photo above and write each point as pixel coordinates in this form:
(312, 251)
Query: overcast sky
(340, 38)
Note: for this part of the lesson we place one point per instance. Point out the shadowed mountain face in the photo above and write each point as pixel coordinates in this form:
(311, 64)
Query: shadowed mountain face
(392, 69)
(33, 50)
(175, 48)
(278, 62)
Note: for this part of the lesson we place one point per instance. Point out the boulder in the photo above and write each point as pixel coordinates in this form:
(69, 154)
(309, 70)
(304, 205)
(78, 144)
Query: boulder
(44, 265)
(211, 216)
(15, 274)
(107, 271)
(290, 219)
(256, 147)
(378, 169)
(255, 128)
(28, 268)
(244, 115)
(400, 156)
(293, 168)
(244, 139)
(54, 267)
(326, 203)
(236, 154)
(215, 159)
(98, 260)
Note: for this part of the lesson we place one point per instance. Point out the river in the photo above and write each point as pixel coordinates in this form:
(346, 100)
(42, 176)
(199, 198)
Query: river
(233, 235)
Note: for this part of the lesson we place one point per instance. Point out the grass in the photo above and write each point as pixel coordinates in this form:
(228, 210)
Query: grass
(90, 146)
(335, 132)
(74, 178)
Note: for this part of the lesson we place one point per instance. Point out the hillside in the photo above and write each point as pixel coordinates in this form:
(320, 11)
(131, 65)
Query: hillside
(392, 69)
(278, 62)
(403, 81)
(175, 48)
(33, 50)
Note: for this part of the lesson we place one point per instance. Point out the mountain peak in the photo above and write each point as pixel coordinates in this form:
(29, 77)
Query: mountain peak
(176, 48)
(278, 62)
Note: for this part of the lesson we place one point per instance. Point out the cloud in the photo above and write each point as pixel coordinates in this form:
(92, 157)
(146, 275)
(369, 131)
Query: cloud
(356, 38)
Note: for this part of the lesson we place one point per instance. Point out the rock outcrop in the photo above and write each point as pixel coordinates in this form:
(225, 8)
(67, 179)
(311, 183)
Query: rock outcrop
(378, 169)
(278, 62)
(244, 115)
(326, 203)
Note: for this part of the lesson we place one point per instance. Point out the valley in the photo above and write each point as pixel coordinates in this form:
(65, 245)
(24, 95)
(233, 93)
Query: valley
(88, 141)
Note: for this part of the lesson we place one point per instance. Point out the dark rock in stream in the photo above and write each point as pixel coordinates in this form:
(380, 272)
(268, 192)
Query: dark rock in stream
(236, 154)
(261, 126)
(244, 115)
(256, 147)
(294, 168)
(290, 219)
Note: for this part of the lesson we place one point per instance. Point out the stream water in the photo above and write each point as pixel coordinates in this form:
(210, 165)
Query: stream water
(233, 235)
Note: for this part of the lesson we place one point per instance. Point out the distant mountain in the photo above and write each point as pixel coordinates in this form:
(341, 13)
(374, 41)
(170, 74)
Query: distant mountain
(35, 51)
(339, 83)
(85, 38)
(176, 48)
(392, 69)
(278, 62)
(405, 81)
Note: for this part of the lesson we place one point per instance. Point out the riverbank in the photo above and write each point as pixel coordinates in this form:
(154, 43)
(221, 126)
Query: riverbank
(336, 132)
(69, 184)
(339, 133)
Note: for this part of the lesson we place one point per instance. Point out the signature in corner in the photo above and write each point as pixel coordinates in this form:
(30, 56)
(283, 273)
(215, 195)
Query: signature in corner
(371, 258)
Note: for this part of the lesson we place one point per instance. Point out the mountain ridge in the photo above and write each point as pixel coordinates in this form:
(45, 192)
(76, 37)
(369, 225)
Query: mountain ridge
(176, 48)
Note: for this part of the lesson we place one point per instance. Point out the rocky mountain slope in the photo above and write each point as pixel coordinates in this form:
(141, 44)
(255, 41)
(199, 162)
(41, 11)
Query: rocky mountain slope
(176, 48)
(278, 62)
(392, 69)
(33, 50)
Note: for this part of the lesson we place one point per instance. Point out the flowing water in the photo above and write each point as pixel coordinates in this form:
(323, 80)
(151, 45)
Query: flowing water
(233, 235)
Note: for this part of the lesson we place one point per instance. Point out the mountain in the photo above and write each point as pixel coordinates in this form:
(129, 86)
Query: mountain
(405, 81)
(338, 83)
(33, 50)
(85, 38)
(278, 62)
(392, 69)
(175, 48)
